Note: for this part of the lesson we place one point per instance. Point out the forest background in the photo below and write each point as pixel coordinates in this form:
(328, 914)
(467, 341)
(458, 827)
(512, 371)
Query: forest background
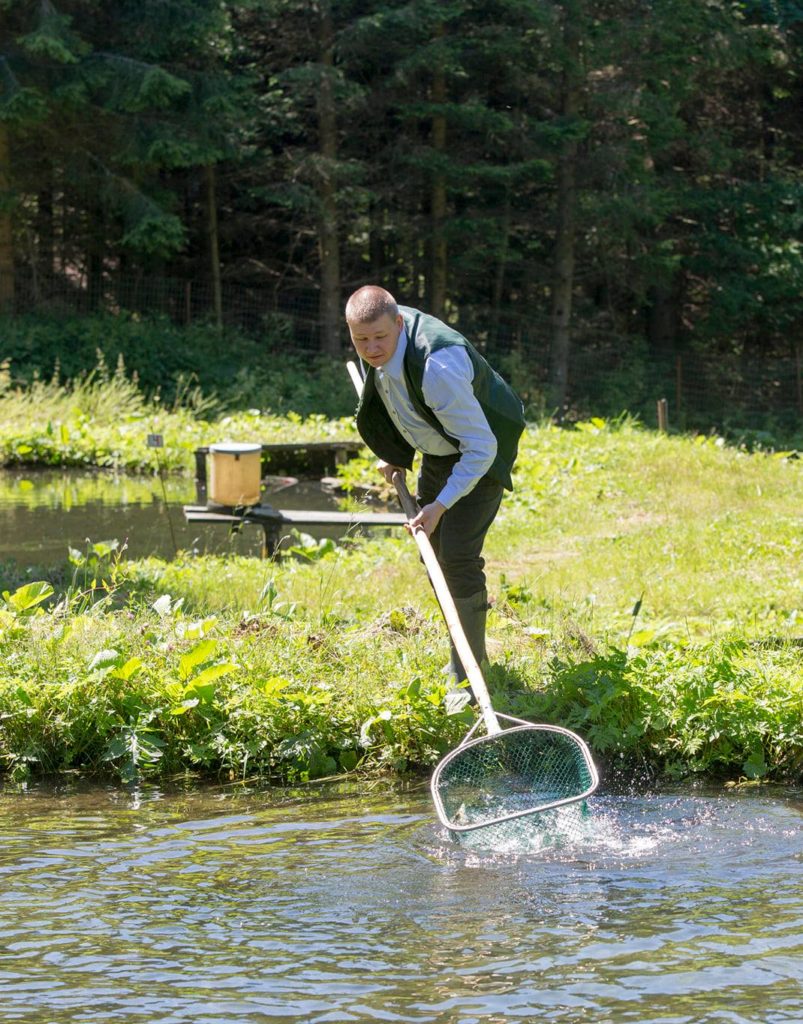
(605, 195)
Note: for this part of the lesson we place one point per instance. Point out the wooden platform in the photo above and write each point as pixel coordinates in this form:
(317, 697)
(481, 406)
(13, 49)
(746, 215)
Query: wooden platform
(274, 520)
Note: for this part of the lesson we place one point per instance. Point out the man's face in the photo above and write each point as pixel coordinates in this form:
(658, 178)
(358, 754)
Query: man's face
(376, 342)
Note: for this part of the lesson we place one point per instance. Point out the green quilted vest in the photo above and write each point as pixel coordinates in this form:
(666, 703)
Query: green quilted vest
(501, 405)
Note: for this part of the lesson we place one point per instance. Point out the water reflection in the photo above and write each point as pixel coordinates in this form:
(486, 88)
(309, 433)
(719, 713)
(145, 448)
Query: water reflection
(211, 907)
(43, 513)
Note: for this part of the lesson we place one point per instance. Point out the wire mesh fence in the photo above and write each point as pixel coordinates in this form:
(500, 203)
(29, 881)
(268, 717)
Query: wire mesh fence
(608, 372)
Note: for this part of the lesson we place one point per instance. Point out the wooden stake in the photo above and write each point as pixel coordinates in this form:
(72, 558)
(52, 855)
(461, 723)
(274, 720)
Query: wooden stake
(663, 415)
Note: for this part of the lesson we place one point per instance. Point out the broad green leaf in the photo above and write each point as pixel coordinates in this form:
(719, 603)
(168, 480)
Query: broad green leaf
(197, 656)
(348, 760)
(185, 706)
(116, 748)
(205, 693)
(274, 685)
(755, 766)
(196, 630)
(210, 674)
(27, 597)
(105, 659)
(413, 689)
(23, 696)
(127, 670)
(104, 548)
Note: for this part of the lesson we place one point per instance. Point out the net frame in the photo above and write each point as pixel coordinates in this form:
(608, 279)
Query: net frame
(520, 725)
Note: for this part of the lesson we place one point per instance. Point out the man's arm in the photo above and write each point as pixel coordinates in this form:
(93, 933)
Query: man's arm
(448, 392)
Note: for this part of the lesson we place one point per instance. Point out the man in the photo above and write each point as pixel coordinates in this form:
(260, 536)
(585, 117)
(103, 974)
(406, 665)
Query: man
(427, 389)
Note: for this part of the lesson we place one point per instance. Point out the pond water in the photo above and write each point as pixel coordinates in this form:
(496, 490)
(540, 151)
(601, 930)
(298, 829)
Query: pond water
(45, 512)
(218, 906)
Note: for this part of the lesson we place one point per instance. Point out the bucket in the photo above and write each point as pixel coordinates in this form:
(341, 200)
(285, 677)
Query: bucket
(234, 474)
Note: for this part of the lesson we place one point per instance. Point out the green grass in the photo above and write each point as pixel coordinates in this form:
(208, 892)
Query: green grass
(709, 535)
(647, 589)
(103, 419)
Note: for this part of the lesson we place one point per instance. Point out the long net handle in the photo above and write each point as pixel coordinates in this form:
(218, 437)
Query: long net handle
(446, 601)
(441, 588)
(356, 379)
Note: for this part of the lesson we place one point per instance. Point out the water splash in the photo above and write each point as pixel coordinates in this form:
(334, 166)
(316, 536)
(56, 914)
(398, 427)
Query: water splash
(622, 828)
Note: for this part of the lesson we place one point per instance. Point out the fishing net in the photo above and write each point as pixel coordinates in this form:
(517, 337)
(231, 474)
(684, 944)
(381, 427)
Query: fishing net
(533, 777)
(567, 826)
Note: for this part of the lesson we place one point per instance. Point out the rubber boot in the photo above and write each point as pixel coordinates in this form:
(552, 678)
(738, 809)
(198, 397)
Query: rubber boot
(472, 612)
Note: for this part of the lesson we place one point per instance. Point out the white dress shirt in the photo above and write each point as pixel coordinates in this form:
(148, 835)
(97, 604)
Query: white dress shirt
(447, 389)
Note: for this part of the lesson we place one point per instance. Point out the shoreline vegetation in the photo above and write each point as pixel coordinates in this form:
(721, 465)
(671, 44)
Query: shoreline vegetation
(647, 592)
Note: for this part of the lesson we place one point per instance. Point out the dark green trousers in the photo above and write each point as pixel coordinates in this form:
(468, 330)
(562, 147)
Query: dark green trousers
(460, 535)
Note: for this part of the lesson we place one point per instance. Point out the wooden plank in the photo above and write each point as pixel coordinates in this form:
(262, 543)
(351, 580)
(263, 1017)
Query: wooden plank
(347, 518)
(286, 447)
(199, 513)
(225, 517)
(314, 446)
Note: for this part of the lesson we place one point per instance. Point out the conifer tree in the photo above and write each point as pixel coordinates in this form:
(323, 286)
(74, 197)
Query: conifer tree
(103, 101)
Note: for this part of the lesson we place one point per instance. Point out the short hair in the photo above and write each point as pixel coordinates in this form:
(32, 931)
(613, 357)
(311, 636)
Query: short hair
(369, 303)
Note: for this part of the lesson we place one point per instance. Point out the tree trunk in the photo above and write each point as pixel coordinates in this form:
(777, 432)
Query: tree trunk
(328, 230)
(214, 245)
(45, 255)
(501, 268)
(94, 255)
(438, 270)
(663, 317)
(563, 269)
(6, 227)
(376, 245)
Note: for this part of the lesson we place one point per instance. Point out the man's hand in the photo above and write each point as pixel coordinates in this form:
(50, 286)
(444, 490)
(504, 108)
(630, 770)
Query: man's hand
(428, 518)
(387, 470)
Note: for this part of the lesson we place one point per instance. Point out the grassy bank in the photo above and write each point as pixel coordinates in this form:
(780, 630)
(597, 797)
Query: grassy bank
(647, 592)
(103, 419)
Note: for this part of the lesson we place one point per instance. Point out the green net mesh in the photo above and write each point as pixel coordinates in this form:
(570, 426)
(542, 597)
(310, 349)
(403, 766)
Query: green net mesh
(509, 775)
(569, 825)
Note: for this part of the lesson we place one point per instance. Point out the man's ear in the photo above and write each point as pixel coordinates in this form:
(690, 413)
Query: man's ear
(399, 321)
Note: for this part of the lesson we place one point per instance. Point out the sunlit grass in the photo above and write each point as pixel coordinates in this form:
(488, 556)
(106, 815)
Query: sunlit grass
(104, 420)
(646, 588)
(710, 536)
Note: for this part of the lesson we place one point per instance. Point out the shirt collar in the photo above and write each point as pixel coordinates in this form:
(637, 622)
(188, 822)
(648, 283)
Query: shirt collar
(394, 367)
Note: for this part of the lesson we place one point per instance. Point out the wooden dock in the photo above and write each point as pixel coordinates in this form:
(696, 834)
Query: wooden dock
(275, 520)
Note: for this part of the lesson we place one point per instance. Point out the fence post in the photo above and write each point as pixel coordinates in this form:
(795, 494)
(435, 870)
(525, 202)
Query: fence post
(799, 368)
(663, 415)
(678, 383)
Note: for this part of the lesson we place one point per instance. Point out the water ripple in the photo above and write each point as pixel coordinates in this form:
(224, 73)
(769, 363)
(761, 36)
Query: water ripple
(202, 909)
